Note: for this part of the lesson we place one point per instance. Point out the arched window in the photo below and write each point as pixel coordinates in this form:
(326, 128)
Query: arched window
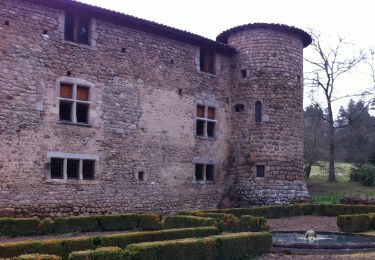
(258, 112)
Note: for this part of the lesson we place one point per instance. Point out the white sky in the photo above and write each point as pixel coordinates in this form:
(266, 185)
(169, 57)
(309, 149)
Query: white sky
(355, 20)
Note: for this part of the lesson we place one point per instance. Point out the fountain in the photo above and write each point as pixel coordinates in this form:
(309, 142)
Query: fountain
(311, 242)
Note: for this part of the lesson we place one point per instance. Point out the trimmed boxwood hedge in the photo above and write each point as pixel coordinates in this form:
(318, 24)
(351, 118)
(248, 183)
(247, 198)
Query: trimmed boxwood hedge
(37, 257)
(62, 247)
(18, 226)
(223, 247)
(250, 223)
(62, 225)
(355, 223)
(187, 221)
(295, 210)
(102, 253)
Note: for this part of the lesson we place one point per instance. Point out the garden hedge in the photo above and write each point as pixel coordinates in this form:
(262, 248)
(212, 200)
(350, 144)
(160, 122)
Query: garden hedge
(18, 226)
(37, 257)
(294, 210)
(63, 247)
(250, 223)
(61, 225)
(223, 247)
(187, 221)
(355, 223)
(102, 253)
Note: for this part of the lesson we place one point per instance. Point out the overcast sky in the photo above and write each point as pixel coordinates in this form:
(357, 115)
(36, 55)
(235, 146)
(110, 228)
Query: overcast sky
(354, 20)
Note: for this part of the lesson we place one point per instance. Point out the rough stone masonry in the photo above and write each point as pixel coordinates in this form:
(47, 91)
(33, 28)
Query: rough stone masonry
(102, 112)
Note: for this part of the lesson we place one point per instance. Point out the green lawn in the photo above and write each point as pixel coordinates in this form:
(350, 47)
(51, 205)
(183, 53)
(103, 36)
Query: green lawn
(323, 191)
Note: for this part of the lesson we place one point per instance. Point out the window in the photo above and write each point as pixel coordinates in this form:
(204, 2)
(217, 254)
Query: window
(207, 61)
(74, 104)
(204, 172)
(258, 112)
(260, 171)
(206, 121)
(239, 107)
(243, 73)
(77, 29)
(141, 176)
(57, 168)
(72, 166)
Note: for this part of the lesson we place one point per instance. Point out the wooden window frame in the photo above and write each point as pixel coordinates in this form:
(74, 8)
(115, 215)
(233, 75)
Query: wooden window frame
(74, 100)
(207, 60)
(205, 119)
(76, 22)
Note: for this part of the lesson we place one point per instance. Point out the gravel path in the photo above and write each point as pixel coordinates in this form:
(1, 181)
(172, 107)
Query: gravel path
(303, 223)
(355, 256)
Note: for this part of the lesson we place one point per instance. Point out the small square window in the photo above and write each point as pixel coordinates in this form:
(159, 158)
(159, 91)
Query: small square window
(88, 169)
(200, 127)
(72, 169)
(260, 171)
(66, 91)
(83, 93)
(57, 168)
(199, 172)
(211, 113)
(211, 129)
(200, 111)
(210, 169)
(82, 111)
(65, 111)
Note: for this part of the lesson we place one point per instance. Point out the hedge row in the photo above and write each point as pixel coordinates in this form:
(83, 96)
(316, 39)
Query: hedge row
(293, 210)
(229, 246)
(63, 247)
(37, 257)
(61, 225)
(187, 221)
(356, 223)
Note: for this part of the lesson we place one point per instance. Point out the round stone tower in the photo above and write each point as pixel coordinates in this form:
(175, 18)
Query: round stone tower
(267, 118)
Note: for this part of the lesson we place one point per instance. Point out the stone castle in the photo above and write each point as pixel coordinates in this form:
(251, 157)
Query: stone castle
(102, 112)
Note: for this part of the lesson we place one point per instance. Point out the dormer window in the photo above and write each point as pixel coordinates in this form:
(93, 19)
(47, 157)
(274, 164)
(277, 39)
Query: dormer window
(77, 29)
(207, 61)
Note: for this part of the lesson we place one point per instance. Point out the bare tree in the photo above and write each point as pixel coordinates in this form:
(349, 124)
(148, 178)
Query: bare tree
(330, 63)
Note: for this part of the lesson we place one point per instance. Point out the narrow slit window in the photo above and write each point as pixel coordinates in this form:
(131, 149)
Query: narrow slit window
(258, 112)
(72, 169)
(243, 73)
(88, 169)
(260, 171)
(141, 176)
(57, 168)
(199, 172)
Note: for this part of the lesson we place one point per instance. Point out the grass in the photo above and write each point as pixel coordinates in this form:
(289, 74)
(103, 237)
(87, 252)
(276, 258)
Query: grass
(325, 192)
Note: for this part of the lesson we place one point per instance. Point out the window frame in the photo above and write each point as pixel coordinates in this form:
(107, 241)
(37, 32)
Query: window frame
(206, 120)
(77, 18)
(258, 112)
(205, 163)
(205, 54)
(74, 100)
(78, 157)
(257, 169)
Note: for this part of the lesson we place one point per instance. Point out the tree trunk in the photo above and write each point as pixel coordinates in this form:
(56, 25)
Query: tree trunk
(307, 170)
(331, 140)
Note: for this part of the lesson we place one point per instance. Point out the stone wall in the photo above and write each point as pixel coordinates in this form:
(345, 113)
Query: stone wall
(144, 92)
(274, 71)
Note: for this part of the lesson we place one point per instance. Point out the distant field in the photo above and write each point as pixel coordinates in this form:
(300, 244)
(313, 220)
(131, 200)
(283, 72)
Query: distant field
(323, 191)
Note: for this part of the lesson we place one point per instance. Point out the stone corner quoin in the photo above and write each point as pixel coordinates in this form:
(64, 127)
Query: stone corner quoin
(101, 112)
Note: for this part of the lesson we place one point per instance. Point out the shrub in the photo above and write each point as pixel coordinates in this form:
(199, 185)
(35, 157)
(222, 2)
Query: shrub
(250, 223)
(149, 222)
(187, 221)
(229, 246)
(37, 257)
(367, 174)
(102, 253)
(354, 223)
(122, 240)
(45, 227)
(75, 224)
(18, 226)
(118, 222)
